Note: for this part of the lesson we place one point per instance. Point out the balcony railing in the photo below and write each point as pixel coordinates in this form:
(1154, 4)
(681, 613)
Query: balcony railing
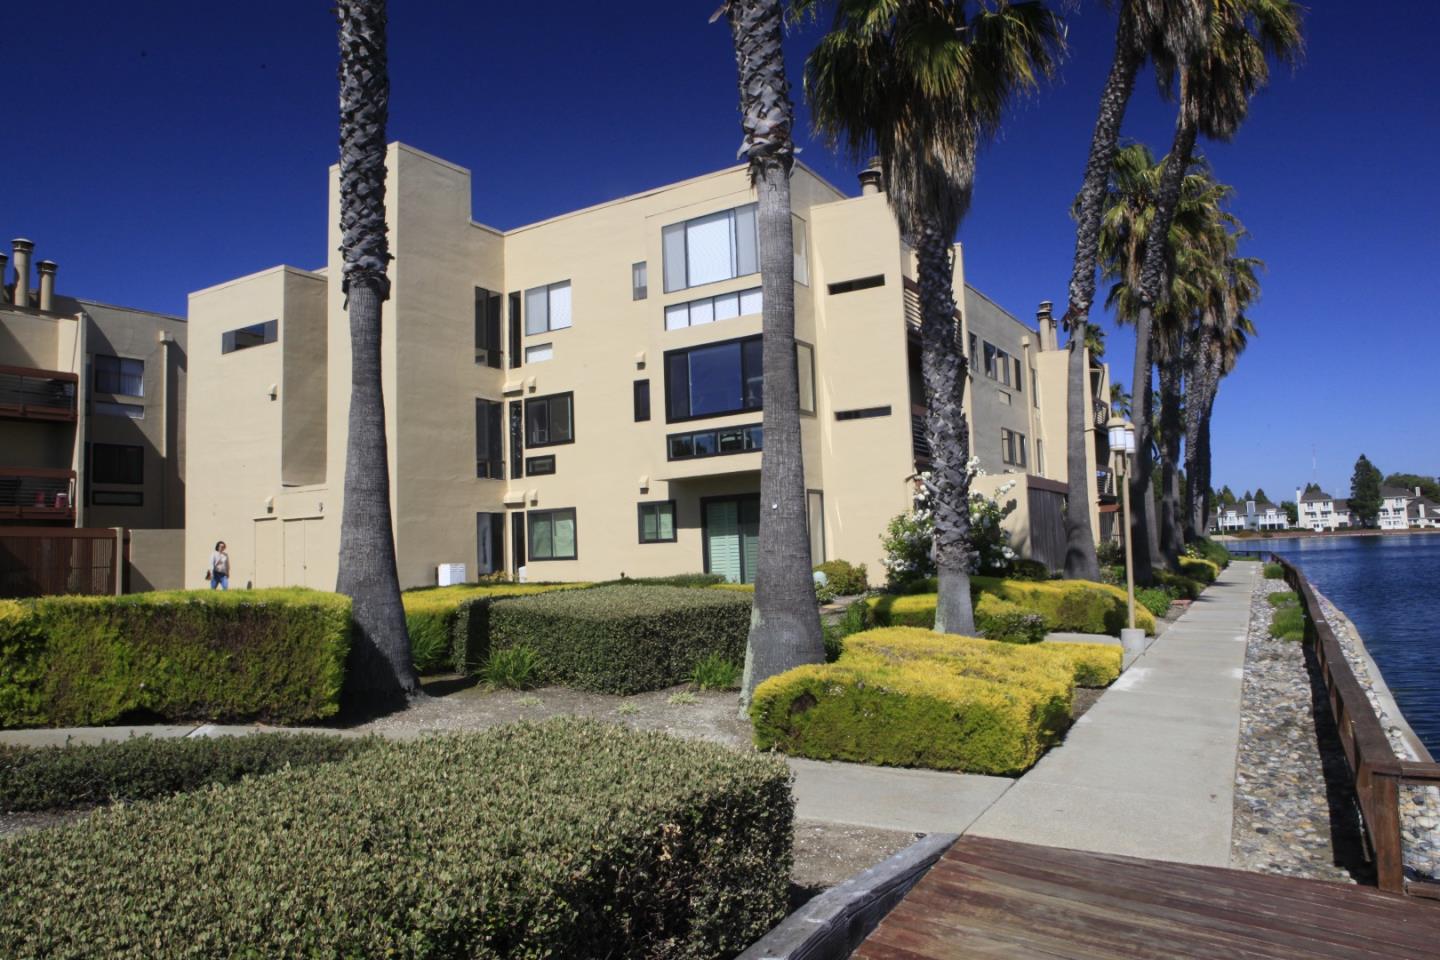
(30, 394)
(29, 493)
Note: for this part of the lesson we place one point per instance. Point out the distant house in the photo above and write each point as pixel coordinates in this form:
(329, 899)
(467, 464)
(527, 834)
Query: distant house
(1250, 515)
(1422, 513)
(1320, 511)
(1395, 507)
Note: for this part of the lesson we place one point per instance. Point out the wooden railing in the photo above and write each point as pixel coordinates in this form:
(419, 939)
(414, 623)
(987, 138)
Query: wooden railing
(37, 493)
(30, 394)
(1380, 777)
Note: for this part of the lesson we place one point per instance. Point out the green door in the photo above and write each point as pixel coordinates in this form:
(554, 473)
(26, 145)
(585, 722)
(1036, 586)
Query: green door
(732, 536)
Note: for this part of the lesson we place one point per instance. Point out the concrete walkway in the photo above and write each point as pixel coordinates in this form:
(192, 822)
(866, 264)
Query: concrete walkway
(1149, 771)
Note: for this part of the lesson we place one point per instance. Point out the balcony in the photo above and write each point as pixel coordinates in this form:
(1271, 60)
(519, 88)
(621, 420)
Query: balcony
(37, 494)
(30, 394)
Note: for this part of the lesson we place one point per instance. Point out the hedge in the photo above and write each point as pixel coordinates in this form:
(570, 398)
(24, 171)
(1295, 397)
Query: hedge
(1008, 622)
(1078, 606)
(847, 578)
(564, 839)
(623, 639)
(51, 778)
(433, 619)
(1187, 588)
(911, 698)
(673, 580)
(276, 655)
(1198, 568)
(1093, 664)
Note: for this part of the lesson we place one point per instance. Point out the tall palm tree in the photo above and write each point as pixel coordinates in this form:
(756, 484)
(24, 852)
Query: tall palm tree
(1158, 31)
(919, 83)
(380, 670)
(1216, 81)
(784, 623)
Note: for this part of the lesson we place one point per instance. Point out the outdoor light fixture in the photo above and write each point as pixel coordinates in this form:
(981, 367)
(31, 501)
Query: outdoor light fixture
(1122, 448)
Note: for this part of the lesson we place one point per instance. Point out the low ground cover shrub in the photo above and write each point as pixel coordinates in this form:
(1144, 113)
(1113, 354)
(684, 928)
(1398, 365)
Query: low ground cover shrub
(622, 639)
(563, 839)
(275, 655)
(998, 619)
(437, 620)
(54, 778)
(1155, 599)
(1273, 571)
(851, 621)
(1283, 599)
(1078, 606)
(714, 672)
(1288, 622)
(514, 668)
(847, 578)
(1198, 568)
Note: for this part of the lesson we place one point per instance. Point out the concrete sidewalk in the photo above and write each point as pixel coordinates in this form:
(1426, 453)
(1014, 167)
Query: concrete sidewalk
(1149, 771)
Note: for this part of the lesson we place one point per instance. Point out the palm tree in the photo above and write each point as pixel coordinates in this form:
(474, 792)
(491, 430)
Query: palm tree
(918, 83)
(380, 669)
(1157, 31)
(784, 623)
(1216, 81)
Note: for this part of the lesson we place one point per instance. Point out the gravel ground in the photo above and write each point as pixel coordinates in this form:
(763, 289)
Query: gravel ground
(1295, 813)
(18, 823)
(829, 853)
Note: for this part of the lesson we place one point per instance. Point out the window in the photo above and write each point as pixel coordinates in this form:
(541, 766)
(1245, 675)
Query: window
(639, 280)
(726, 306)
(119, 375)
(539, 353)
(1012, 447)
(801, 248)
(105, 408)
(540, 466)
(1019, 383)
(997, 364)
(863, 414)
(719, 246)
(547, 308)
(805, 370)
(517, 442)
(657, 522)
(714, 443)
(714, 380)
(552, 534)
(1034, 392)
(1040, 456)
(117, 463)
(515, 330)
(815, 520)
(117, 498)
(973, 349)
(549, 420)
(487, 327)
(850, 286)
(255, 335)
(642, 401)
(489, 440)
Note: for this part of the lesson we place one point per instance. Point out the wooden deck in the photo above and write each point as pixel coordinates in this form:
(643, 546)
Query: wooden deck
(993, 898)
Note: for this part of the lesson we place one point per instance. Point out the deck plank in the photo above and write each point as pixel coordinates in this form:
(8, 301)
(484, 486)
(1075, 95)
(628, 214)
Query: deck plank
(989, 898)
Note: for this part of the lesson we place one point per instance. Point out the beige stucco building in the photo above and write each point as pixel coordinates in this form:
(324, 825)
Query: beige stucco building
(580, 397)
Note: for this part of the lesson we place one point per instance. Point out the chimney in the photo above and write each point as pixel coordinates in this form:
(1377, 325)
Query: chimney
(1045, 320)
(47, 284)
(4, 291)
(1418, 493)
(22, 270)
(870, 178)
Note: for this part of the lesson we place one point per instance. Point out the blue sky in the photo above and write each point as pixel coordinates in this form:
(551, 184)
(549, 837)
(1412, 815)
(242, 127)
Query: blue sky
(161, 147)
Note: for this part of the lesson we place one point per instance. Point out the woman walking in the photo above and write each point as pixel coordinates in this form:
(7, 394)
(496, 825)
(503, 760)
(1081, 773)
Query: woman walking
(219, 572)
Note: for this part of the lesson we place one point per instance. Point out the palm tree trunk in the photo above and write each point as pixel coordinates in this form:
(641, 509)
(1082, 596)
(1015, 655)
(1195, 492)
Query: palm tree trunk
(379, 672)
(944, 369)
(1211, 386)
(1197, 347)
(1172, 533)
(1080, 562)
(784, 620)
(1152, 276)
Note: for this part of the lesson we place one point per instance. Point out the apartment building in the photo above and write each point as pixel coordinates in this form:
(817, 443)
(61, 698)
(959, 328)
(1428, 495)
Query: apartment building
(1319, 511)
(1250, 515)
(92, 407)
(581, 398)
(1395, 507)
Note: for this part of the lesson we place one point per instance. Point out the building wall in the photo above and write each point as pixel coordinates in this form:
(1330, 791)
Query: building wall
(993, 405)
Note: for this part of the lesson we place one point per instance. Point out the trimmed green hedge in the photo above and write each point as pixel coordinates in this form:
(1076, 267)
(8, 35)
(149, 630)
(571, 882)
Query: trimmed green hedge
(1197, 568)
(51, 778)
(673, 580)
(846, 578)
(623, 639)
(276, 655)
(1008, 622)
(1186, 588)
(438, 627)
(565, 839)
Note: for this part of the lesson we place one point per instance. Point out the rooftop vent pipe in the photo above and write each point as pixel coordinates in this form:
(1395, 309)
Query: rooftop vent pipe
(870, 178)
(47, 284)
(22, 249)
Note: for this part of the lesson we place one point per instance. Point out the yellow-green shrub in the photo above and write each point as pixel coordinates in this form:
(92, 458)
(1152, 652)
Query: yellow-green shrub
(1034, 665)
(1092, 664)
(1198, 568)
(906, 610)
(1078, 606)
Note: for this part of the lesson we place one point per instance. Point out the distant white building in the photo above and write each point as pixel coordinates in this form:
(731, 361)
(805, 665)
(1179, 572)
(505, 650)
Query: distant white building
(1422, 513)
(1395, 507)
(1250, 515)
(1320, 511)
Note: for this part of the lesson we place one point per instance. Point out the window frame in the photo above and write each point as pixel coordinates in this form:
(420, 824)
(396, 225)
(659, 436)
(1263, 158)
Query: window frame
(814, 398)
(118, 450)
(117, 371)
(640, 280)
(747, 445)
(640, 521)
(488, 307)
(550, 515)
(493, 464)
(549, 289)
(641, 400)
(740, 343)
(267, 330)
(684, 249)
(532, 470)
(569, 397)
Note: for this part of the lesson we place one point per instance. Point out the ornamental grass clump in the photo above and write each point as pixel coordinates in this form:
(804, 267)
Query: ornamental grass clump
(276, 655)
(1273, 571)
(563, 839)
(623, 639)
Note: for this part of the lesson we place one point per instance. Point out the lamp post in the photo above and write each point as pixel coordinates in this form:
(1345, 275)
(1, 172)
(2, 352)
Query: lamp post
(1122, 448)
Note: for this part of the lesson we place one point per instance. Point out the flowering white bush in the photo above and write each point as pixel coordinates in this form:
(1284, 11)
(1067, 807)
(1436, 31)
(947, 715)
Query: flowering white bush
(909, 539)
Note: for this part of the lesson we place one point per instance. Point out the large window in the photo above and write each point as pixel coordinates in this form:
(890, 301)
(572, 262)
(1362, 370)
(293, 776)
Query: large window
(489, 440)
(642, 401)
(639, 280)
(657, 522)
(552, 534)
(999, 365)
(515, 329)
(725, 306)
(1012, 447)
(550, 420)
(711, 248)
(547, 308)
(119, 375)
(487, 327)
(255, 335)
(117, 463)
(805, 370)
(714, 380)
(801, 250)
(717, 442)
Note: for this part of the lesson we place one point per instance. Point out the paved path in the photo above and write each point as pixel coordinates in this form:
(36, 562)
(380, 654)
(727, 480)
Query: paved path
(1149, 771)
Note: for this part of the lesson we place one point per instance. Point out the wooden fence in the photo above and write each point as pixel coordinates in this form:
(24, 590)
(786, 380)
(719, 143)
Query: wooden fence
(1381, 778)
(44, 561)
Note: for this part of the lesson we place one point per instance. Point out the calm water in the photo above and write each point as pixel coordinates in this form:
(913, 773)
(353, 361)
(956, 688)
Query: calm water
(1390, 587)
